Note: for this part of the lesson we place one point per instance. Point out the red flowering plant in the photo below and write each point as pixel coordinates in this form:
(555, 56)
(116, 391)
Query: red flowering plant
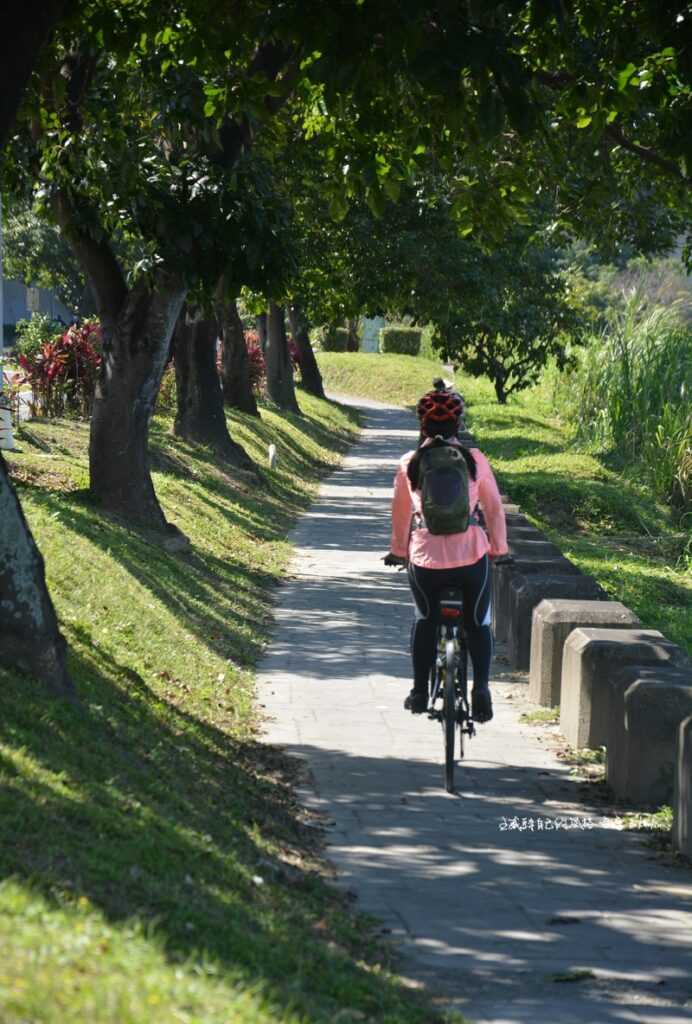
(62, 372)
(258, 367)
(294, 354)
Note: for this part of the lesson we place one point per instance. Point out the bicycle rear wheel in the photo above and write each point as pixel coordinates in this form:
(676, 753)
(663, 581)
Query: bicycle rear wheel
(449, 713)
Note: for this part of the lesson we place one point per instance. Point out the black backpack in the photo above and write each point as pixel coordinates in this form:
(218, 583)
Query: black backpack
(443, 478)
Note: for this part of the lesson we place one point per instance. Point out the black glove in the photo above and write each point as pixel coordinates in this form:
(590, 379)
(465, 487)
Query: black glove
(391, 559)
(503, 560)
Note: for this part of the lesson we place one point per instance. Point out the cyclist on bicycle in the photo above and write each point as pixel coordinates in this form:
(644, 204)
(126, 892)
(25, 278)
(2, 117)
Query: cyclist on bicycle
(459, 560)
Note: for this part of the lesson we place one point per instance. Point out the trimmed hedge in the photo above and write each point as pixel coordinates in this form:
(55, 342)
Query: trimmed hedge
(401, 340)
(332, 339)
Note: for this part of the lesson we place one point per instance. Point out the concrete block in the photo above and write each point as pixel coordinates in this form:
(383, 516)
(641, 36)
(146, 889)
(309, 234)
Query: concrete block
(529, 549)
(553, 621)
(524, 531)
(528, 590)
(682, 790)
(648, 705)
(591, 658)
(505, 572)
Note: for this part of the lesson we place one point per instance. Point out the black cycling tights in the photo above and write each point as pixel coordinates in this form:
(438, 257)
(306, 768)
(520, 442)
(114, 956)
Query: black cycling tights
(474, 582)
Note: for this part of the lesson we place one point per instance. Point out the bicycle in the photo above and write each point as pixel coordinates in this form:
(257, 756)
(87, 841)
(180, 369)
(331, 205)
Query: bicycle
(448, 702)
(449, 680)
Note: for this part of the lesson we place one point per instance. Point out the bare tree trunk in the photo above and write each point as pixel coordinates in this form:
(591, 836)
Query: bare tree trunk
(353, 343)
(29, 636)
(200, 416)
(137, 323)
(309, 370)
(280, 387)
(136, 347)
(235, 365)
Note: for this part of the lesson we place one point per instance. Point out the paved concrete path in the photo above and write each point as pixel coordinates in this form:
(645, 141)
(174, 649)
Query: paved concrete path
(488, 917)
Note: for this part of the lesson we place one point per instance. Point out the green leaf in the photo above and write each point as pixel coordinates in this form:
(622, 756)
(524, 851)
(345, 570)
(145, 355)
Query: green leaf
(625, 76)
(375, 201)
(338, 207)
(392, 188)
(584, 121)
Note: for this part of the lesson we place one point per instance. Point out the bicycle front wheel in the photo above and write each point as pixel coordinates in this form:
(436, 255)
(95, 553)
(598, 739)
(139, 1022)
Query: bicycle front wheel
(449, 713)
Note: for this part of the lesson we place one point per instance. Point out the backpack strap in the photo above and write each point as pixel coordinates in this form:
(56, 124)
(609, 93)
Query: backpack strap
(418, 522)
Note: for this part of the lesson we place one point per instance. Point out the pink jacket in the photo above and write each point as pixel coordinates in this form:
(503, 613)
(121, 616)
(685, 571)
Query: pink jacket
(434, 551)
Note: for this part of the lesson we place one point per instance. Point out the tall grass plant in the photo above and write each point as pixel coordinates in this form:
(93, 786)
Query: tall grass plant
(630, 393)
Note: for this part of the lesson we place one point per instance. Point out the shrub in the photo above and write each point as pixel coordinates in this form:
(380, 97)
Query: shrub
(62, 372)
(401, 340)
(332, 339)
(32, 333)
(257, 362)
(258, 367)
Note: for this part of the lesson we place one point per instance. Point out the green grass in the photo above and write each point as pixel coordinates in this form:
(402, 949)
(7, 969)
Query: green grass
(541, 716)
(653, 821)
(605, 521)
(400, 380)
(154, 865)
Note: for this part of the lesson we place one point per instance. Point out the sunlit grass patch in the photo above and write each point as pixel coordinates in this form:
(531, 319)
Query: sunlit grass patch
(399, 380)
(541, 716)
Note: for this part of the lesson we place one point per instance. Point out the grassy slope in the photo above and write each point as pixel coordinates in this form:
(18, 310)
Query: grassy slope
(154, 865)
(400, 380)
(609, 525)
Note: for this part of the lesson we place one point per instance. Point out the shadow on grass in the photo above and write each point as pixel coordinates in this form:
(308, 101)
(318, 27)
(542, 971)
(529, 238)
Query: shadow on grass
(156, 816)
(214, 596)
(575, 503)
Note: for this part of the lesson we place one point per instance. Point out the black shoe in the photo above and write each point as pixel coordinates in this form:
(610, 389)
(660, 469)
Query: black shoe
(416, 702)
(481, 705)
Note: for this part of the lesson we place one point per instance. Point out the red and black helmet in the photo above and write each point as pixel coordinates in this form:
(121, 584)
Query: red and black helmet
(439, 412)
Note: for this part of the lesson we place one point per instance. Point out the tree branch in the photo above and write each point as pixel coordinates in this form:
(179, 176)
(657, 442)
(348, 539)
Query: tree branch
(561, 79)
(96, 257)
(277, 63)
(649, 155)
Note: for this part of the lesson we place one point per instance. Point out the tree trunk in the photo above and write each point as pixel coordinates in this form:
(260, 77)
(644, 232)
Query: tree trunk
(200, 417)
(136, 346)
(353, 343)
(235, 365)
(26, 26)
(500, 392)
(29, 636)
(262, 331)
(309, 370)
(280, 387)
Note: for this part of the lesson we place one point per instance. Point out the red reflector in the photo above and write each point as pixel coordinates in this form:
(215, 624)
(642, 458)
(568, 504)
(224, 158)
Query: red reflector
(450, 613)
